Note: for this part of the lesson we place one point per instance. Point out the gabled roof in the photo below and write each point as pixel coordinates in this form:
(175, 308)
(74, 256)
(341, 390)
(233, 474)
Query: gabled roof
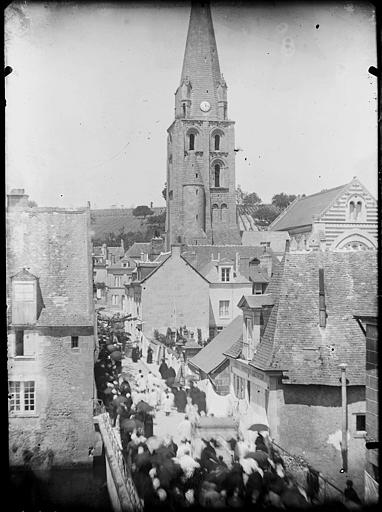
(212, 355)
(158, 266)
(256, 301)
(294, 342)
(301, 211)
(24, 275)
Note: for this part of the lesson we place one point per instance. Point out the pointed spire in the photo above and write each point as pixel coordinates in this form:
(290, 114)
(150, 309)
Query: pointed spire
(201, 62)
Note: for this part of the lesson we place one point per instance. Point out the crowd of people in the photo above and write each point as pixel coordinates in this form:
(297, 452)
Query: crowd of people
(186, 470)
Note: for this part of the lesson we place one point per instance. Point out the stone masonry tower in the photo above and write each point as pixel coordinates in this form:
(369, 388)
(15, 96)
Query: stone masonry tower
(201, 204)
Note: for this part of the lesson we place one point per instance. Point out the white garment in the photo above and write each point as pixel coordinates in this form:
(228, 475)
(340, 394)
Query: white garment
(188, 465)
(150, 380)
(183, 448)
(167, 403)
(152, 398)
(184, 429)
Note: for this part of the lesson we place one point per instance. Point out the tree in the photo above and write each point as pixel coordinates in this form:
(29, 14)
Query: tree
(32, 204)
(265, 214)
(251, 199)
(282, 200)
(142, 211)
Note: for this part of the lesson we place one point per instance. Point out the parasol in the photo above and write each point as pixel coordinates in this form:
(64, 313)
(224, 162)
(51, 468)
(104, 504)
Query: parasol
(143, 406)
(258, 427)
(116, 355)
(130, 424)
(120, 400)
(111, 347)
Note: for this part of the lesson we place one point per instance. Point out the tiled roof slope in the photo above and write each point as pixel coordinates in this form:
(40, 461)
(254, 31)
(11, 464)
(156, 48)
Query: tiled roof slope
(137, 248)
(293, 340)
(54, 245)
(211, 273)
(235, 350)
(212, 355)
(113, 220)
(277, 239)
(302, 210)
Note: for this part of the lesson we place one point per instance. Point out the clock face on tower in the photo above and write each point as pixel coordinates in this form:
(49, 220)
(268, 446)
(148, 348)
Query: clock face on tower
(205, 106)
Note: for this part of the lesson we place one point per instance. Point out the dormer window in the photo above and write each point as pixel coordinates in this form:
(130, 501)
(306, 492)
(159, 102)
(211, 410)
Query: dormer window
(226, 274)
(24, 298)
(184, 109)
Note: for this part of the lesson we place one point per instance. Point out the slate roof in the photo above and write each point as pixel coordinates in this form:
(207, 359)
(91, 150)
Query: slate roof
(294, 342)
(277, 239)
(212, 355)
(54, 245)
(199, 255)
(256, 301)
(257, 274)
(235, 350)
(211, 273)
(301, 211)
(115, 251)
(137, 248)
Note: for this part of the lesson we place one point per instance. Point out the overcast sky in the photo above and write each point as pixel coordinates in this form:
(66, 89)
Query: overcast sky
(91, 96)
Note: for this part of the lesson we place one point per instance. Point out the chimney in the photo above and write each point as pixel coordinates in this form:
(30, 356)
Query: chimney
(151, 204)
(157, 245)
(17, 198)
(321, 293)
(237, 261)
(122, 245)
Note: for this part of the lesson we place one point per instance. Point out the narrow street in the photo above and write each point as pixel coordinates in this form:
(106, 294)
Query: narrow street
(163, 425)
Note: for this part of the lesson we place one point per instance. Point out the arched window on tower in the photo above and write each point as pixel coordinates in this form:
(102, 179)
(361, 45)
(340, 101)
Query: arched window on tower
(217, 175)
(191, 145)
(224, 213)
(184, 109)
(215, 213)
(217, 142)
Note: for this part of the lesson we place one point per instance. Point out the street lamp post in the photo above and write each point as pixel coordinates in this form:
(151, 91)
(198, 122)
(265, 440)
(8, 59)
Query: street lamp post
(344, 443)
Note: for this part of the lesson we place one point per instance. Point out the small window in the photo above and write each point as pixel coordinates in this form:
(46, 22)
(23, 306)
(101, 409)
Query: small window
(184, 109)
(196, 191)
(170, 195)
(19, 343)
(192, 142)
(257, 289)
(217, 142)
(360, 420)
(74, 341)
(217, 176)
(223, 308)
(114, 300)
(197, 175)
(226, 274)
(117, 280)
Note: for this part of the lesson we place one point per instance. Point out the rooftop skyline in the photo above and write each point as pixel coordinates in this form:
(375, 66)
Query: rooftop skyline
(91, 96)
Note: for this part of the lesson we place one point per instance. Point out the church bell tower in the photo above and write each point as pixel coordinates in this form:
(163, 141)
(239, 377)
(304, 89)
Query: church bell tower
(201, 200)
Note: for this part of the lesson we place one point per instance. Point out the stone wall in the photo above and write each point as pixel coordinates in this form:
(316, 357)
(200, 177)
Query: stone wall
(60, 431)
(309, 424)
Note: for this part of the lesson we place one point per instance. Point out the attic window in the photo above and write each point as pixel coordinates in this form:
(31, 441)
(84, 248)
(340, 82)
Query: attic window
(24, 304)
(226, 274)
